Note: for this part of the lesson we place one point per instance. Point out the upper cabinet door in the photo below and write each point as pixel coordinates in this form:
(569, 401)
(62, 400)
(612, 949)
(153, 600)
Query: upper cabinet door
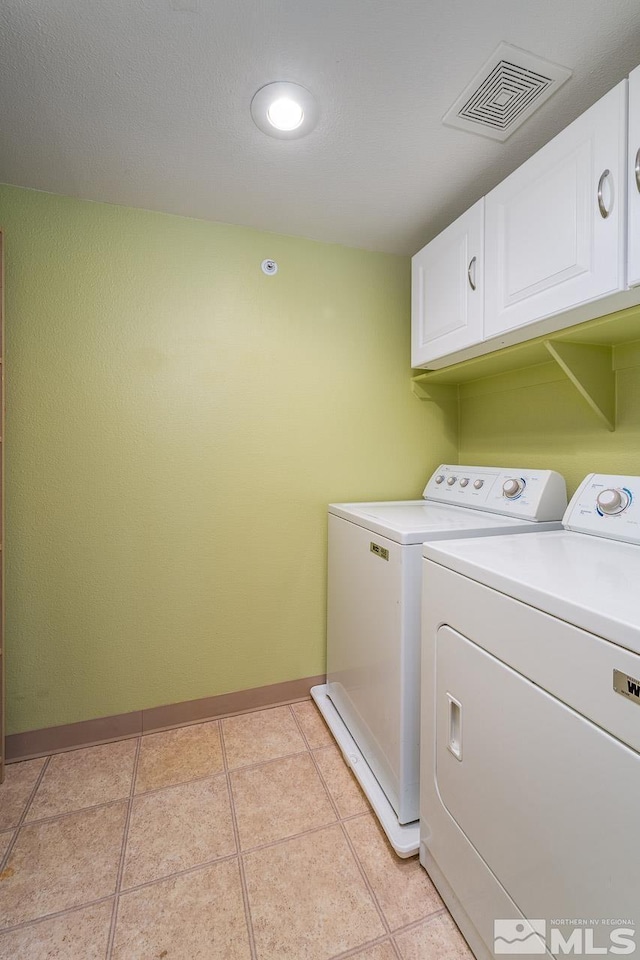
(555, 229)
(633, 264)
(447, 290)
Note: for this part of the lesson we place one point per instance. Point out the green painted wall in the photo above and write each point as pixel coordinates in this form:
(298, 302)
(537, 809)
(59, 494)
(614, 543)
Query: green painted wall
(548, 425)
(177, 423)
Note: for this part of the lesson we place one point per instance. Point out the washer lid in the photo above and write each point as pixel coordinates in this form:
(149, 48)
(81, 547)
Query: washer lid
(414, 521)
(587, 581)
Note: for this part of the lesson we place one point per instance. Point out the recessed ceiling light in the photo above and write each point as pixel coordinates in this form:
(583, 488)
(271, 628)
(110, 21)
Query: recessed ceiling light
(284, 110)
(285, 114)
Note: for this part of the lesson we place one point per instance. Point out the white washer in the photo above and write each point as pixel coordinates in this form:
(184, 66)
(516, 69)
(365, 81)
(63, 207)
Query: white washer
(371, 698)
(530, 785)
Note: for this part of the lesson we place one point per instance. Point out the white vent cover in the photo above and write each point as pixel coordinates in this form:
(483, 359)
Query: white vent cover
(505, 92)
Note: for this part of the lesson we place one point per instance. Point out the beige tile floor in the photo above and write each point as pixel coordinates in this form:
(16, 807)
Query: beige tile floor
(240, 839)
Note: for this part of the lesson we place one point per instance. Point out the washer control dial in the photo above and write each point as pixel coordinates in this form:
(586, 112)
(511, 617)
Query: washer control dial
(464, 482)
(478, 484)
(451, 480)
(512, 488)
(439, 478)
(612, 501)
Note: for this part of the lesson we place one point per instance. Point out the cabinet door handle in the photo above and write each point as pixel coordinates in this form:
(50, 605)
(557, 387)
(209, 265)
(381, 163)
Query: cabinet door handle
(637, 170)
(454, 744)
(472, 265)
(604, 213)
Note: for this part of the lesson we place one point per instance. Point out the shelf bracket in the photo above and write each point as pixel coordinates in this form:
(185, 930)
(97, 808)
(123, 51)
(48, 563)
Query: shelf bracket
(440, 393)
(589, 367)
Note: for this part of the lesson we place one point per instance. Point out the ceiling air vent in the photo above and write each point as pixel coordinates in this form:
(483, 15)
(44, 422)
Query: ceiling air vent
(505, 92)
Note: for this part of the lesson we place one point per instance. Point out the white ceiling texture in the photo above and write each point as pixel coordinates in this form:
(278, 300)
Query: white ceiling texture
(146, 103)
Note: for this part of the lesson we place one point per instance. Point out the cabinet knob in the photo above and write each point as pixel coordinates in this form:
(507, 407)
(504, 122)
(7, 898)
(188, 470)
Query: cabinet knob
(637, 170)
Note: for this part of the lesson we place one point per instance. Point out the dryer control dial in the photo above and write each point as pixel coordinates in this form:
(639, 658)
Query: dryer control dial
(612, 501)
(512, 488)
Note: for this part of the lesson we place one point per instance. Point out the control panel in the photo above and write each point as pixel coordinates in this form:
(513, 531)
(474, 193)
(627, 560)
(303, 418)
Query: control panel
(606, 505)
(528, 494)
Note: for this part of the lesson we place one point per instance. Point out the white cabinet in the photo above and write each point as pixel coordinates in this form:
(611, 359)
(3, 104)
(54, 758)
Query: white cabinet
(447, 290)
(555, 229)
(555, 244)
(633, 263)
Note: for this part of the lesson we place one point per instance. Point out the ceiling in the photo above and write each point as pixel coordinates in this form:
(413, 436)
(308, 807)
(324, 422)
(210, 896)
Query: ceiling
(146, 103)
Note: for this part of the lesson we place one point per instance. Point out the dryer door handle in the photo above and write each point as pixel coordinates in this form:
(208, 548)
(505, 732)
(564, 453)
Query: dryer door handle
(454, 744)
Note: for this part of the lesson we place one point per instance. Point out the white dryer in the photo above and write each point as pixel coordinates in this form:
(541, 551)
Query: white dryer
(530, 763)
(371, 699)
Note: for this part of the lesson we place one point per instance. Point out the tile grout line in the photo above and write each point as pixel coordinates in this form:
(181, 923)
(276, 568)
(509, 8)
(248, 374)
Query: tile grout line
(428, 917)
(123, 852)
(315, 764)
(391, 934)
(294, 836)
(414, 925)
(396, 948)
(263, 763)
(178, 783)
(5, 859)
(55, 915)
(372, 893)
(345, 834)
(236, 834)
(76, 811)
(179, 873)
(332, 745)
(369, 945)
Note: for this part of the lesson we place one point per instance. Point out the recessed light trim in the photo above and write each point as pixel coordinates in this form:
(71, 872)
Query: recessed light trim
(284, 110)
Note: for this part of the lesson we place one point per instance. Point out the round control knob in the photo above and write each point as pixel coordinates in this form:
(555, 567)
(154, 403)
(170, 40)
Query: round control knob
(464, 482)
(478, 484)
(512, 488)
(612, 501)
(439, 479)
(451, 480)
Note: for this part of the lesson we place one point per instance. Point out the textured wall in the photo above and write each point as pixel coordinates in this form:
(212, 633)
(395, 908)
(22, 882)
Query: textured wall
(177, 424)
(550, 426)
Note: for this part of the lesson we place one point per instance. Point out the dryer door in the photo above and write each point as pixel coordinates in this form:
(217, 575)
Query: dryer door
(548, 799)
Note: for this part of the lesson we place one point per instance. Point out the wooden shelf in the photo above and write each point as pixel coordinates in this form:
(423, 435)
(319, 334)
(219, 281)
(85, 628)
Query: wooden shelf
(588, 355)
